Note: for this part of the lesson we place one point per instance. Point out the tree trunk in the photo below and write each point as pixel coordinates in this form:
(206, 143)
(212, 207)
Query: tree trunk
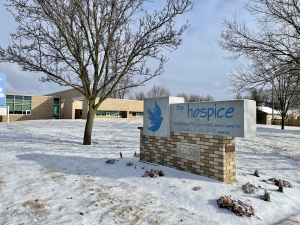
(282, 123)
(87, 139)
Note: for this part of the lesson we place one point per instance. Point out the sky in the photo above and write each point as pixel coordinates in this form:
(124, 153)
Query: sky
(198, 66)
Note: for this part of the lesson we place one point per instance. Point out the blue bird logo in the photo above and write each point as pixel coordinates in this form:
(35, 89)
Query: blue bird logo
(155, 118)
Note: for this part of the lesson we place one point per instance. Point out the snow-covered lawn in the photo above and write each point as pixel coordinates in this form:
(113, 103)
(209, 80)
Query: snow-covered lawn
(48, 177)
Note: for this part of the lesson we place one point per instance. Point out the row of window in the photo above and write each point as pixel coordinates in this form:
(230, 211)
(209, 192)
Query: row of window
(19, 104)
(116, 113)
(108, 113)
(22, 105)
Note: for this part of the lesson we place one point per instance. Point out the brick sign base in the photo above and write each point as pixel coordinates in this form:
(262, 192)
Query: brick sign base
(217, 154)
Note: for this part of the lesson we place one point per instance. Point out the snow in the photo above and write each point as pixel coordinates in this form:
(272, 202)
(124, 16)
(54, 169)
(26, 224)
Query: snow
(268, 110)
(48, 177)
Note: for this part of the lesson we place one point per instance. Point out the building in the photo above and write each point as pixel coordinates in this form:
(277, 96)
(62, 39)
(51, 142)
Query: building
(264, 115)
(69, 104)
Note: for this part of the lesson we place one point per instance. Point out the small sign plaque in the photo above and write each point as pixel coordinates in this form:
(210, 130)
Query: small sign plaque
(3, 111)
(188, 151)
(230, 148)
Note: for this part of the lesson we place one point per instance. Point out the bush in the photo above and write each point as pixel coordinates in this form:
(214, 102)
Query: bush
(249, 188)
(267, 196)
(236, 206)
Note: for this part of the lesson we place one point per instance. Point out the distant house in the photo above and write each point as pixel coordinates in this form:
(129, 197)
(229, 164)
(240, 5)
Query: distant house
(264, 115)
(294, 115)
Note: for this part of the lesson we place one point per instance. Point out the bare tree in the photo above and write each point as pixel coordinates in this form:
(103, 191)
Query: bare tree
(184, 95)
(196, 97)
(271, 51)
(260, 95)
(91, 45)
(137, 96)
(122, 89)
(238, 95)
(277, 36)
(207, 98)
(264, 73)
(158, 91)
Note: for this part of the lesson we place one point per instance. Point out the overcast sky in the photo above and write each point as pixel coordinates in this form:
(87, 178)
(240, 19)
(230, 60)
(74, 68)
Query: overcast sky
(197, 67)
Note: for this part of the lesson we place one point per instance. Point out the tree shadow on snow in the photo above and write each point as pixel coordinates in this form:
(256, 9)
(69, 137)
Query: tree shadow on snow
(78, 165)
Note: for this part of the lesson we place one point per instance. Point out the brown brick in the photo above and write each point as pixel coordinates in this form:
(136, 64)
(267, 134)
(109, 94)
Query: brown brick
(219, 145)
(204, 154)
(209, 151)
(205, 161)
(208, 173)
(188, 164)
(205, 139)
(220, 137)
(223, 164)
(199, 135)
(208, 165)
(209, 158)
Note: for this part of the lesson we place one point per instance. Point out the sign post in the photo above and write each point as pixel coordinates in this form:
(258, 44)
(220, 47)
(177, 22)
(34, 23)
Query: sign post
(4, 111)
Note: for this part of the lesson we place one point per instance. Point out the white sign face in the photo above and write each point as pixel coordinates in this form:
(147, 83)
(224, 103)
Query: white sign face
(3, 112)
(157, 116)
(236, 118)
(188, 151)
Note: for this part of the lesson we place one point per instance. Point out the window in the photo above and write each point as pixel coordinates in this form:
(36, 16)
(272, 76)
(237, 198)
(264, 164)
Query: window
(108, 113)
(115, 113)
(137, 114)
(19, 104)
(100, 113)
(56, 108)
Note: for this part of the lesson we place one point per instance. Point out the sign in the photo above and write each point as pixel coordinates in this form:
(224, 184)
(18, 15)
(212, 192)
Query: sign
(157, 115)
(235, 118)
(3, 111)
(2, 88)
(230, 148)
(188, 151)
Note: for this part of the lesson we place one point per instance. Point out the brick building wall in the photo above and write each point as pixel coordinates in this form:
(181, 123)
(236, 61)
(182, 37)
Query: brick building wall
(68, 102)
(41, 109)
(72, 99)
(217, 154)
(110, 104)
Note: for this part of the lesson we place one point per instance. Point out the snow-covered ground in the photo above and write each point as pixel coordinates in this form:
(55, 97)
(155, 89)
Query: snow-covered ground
(48, 177)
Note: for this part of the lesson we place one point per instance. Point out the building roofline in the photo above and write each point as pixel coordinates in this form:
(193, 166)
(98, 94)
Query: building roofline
(34, 95)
